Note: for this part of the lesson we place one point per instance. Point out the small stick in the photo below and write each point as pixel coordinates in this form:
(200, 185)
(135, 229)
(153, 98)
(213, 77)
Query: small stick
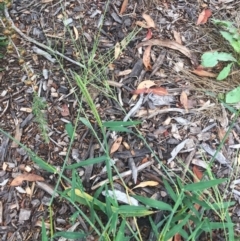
(134, 109)
(37, 43)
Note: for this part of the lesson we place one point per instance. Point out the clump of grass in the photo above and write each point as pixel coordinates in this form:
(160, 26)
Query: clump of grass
(38, 107)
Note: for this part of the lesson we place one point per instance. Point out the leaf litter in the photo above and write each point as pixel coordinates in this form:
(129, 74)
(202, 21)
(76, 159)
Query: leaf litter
(173, 110)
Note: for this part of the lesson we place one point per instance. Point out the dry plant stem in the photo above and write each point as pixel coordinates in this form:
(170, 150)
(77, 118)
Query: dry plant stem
(123, 174)
(134, 109)
(37, 43)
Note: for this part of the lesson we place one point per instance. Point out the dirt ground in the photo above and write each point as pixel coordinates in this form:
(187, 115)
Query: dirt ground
(203, 120)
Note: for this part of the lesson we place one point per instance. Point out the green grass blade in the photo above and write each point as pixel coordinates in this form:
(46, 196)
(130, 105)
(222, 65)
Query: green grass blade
(170, 191)
(70, 235)
(44, 232)
(120, 123)
(70, 130)
(154, 203)
(200, 186)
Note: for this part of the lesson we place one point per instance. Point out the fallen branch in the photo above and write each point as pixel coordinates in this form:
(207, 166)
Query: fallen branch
(43, 46)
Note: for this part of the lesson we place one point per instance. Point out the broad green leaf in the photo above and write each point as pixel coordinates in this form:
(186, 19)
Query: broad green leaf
(236, 45)
(120, 123)
(120, 129)
(70, 235)
(227, 36)
(225, 72)
(86, 122)
(210, 59)
(199, 186)
(154, 203)
(87, 162)
(44, 232)
(69, 129)
(233, 96)
(227, 24)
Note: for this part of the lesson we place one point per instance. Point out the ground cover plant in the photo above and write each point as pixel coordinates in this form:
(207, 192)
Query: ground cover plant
(108, 137)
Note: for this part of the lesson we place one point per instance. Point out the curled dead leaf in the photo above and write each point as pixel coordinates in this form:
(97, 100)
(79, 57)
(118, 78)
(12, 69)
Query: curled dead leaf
(184, 100)
(203, 73)
(116, 145)
(149, 20)
(143, 85)
(146, 58)
(123, 7)
(65, 110)
(17, 181)
(156, 91)
(146, 184)
(172, 45)
(203, 17)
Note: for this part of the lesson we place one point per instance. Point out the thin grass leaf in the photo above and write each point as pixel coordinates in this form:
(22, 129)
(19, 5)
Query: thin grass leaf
(230, 230)
(133, 211)
(42, 164)
(88, 162)
(153, 203)
(44, 232)
(121, 231)
(200, 186)
(70, 235)
(178, 228)
(217, 225)
(120, 129)
(120, 123)
(70, 130)
(73, 183)
(170, 191)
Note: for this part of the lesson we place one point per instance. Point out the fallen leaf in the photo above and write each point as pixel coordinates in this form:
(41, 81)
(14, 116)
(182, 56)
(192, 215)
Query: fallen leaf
(65, 110)
(146, 184)
(184, 100)
(172, 45)
(149, 20)
(124, 72)
(17, 181)
(116, 145)
(117, 50)
(198, 174)
(143, 85)
(204, 73)
(123, 7)
(141, 24)
(203, 17)
(156, 91)
(75, 32)
(146, 58)
(149, 35)
(177, 37)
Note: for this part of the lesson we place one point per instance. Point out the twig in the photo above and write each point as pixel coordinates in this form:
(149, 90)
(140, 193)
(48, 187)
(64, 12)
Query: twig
(134, 109)
(37, 43)
(123, 174)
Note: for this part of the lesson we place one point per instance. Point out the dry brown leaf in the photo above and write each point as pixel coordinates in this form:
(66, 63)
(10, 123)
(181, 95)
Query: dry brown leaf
(204, 15)
(124, 72)
(75, 32)
(172, 45)
(147, 59)
(143, 85)
(117, 50)
(17, 181)
(157, 91)
(65, 110)
(203, 73)
(141, 24)
(149, 35)
(197, 173)
(177, 237)
(184, 100)
(123, 7)
(149, 20)
(177, 37)
(146, 184)
(116, 145)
